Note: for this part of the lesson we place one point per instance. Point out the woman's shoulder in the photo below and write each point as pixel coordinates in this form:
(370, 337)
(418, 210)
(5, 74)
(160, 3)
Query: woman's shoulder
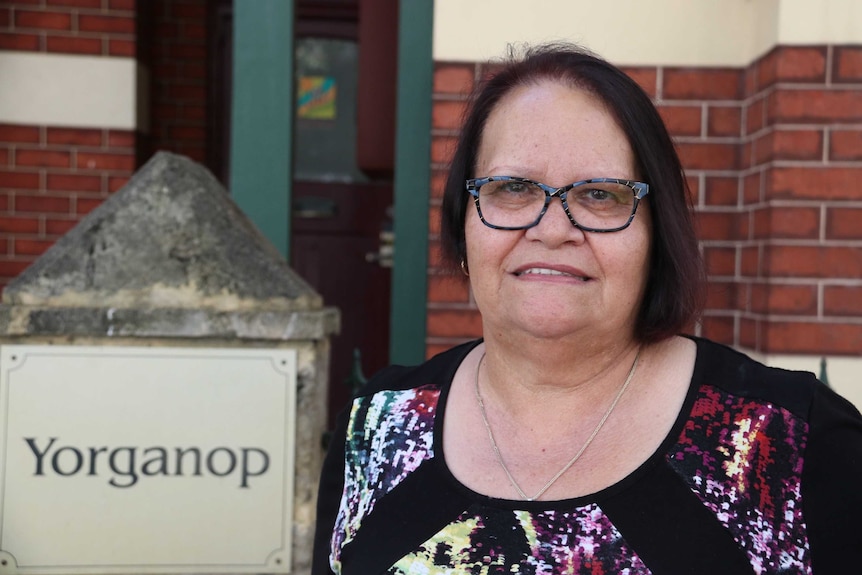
(437, 371)
(741, 375)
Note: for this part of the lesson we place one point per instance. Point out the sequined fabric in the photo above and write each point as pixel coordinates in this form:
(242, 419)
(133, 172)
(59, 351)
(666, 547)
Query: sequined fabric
(743, 459)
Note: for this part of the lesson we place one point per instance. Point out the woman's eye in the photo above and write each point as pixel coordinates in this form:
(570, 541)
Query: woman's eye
(599, 195)
(515, 187)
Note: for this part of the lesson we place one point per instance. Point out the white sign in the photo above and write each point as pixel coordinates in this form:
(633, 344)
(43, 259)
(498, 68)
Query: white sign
(146, 460)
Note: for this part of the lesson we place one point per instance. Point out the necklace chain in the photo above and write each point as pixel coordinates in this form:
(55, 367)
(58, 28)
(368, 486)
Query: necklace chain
(574, 459)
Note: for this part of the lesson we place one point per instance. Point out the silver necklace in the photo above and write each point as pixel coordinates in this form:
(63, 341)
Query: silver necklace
(574, 459)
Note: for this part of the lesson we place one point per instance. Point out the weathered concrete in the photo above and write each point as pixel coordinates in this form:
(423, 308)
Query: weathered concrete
(274, 325)
(169, 260)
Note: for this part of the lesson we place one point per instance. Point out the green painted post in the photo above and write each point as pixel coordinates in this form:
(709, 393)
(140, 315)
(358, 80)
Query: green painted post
(823, 376)
(262, 116)
(412, 182)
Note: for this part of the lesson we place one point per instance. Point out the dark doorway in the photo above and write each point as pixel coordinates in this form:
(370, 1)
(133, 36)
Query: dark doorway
(345, 76)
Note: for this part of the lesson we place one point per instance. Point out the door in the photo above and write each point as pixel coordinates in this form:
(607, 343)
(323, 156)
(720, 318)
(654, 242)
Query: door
(342, 194)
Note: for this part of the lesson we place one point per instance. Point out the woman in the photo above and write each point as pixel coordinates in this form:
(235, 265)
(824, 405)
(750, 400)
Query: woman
(582, 434)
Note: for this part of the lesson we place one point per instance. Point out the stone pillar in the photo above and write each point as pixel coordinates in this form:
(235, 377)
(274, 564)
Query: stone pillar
(170, 261)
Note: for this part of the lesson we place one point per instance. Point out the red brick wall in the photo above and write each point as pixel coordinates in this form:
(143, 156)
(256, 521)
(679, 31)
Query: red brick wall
(799, 281)
(773, 155)
(91, 27)
(452, 313)
(178, 77)
(51, 176)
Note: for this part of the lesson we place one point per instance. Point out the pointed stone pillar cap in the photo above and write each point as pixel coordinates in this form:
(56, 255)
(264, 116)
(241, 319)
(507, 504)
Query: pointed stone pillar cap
(169, 255)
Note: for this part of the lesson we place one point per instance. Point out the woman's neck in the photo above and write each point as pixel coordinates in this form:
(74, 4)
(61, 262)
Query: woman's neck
(560, 363)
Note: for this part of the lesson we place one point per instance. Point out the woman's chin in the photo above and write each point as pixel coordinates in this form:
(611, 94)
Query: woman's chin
(550, 324)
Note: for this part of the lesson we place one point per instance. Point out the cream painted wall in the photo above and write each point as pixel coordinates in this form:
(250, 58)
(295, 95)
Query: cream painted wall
(820, 22)
(634, 32)
(73, 91)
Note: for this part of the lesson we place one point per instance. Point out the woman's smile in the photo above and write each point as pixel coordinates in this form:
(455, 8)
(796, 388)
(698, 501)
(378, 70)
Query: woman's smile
(543, 272)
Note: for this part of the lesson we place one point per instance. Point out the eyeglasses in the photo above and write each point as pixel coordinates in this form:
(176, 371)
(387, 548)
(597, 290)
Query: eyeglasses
(596, 205)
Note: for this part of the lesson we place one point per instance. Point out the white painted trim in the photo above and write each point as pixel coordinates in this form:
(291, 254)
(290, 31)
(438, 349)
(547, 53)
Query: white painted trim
(73, 91)
(654, 33)
(844, 373)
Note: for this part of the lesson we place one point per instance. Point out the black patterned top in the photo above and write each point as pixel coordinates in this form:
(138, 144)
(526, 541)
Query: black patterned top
(761, 473)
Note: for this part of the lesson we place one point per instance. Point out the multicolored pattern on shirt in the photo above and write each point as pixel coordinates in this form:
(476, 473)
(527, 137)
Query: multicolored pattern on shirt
(388, 436)
(743, 459)
(505, 541)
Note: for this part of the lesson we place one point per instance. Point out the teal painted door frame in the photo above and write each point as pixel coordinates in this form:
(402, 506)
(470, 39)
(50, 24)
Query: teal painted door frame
(261, 147)
(262, 139)
(412, 182)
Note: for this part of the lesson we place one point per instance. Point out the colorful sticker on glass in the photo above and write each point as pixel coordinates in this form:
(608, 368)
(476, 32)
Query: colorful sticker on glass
(316, 98)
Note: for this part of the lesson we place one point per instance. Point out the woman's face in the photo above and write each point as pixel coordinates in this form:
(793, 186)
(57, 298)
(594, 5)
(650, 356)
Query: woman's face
(554, 280)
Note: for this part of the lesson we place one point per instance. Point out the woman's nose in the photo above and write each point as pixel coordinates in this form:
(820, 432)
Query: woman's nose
(555, 227)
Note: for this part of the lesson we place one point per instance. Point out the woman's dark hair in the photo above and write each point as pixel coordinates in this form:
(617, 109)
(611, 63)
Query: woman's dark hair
(675, 286)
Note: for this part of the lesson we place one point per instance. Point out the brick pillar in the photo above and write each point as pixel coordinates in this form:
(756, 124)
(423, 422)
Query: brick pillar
(801, 260)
